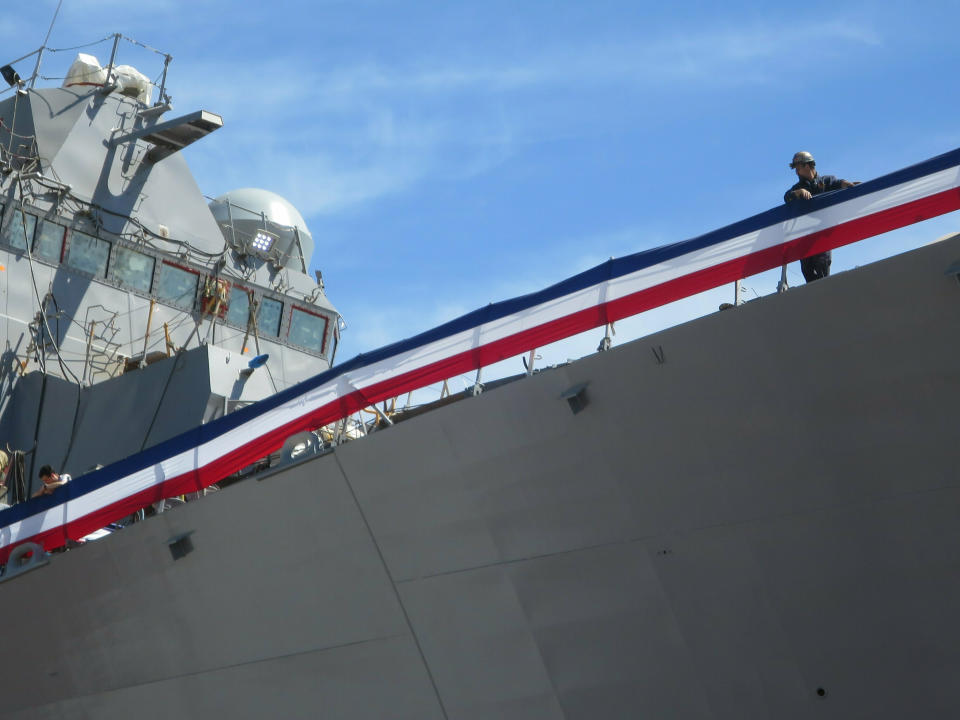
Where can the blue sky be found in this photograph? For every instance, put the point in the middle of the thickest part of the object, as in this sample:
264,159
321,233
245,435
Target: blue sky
450,154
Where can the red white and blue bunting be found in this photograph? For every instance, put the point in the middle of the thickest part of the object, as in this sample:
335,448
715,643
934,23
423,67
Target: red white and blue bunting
614,290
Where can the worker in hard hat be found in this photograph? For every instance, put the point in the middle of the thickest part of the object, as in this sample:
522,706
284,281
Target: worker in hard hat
4,467
811,183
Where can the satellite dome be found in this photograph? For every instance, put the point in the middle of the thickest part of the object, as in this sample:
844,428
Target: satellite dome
260,222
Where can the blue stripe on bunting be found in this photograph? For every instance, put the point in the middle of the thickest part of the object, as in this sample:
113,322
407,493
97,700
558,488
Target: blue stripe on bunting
608,270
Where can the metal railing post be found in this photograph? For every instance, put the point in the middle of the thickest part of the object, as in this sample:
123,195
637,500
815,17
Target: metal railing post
163,80
36,68
113,56
233,232
782,285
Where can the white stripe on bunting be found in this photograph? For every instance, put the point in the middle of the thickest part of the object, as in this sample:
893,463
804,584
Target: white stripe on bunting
400,366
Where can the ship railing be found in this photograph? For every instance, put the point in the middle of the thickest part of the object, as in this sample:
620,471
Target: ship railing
617,289
18,83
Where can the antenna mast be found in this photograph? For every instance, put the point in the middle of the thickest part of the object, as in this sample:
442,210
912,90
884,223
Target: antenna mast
36,68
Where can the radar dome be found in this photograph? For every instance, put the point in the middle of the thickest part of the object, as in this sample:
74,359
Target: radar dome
259,222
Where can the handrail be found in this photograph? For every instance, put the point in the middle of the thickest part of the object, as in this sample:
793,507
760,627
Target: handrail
116,37
611,291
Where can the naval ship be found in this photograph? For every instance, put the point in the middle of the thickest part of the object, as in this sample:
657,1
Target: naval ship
749,515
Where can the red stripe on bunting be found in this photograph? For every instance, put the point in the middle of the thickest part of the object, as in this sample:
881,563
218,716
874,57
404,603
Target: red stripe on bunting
567,326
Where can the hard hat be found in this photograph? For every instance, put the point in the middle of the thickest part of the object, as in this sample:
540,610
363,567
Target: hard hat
802,158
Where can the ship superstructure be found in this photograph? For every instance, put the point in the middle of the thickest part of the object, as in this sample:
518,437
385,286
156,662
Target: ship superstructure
113,260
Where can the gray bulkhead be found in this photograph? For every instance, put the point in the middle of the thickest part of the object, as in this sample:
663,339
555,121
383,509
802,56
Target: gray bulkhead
78,428
753,516
80,142
120,230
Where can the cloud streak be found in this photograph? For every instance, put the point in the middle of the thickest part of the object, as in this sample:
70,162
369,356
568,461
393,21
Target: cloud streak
365,131
401,124
648,61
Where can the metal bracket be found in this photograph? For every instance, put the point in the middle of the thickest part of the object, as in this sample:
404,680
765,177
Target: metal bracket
154,112
180,545
659,355
174,135
954,270
18,562
783,286
477,387
576,397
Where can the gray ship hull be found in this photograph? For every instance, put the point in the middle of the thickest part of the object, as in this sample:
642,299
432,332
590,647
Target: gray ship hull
754,516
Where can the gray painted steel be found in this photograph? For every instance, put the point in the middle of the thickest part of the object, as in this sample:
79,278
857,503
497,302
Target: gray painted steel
768,511
77,161
121,416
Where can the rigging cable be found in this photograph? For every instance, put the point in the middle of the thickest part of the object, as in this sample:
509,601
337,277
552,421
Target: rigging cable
16,491
156,412
13,123
63,367
41,304
50,29
80,47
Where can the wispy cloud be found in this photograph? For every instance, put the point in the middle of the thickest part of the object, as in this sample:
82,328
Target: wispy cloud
369,130
704,53
734,55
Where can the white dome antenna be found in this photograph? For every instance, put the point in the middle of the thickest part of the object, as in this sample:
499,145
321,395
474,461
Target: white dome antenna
263,224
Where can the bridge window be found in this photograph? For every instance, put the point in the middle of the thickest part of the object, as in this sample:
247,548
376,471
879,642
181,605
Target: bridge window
177,285
268,317
88,254
133,268
307,329
239,311
13,233
48,244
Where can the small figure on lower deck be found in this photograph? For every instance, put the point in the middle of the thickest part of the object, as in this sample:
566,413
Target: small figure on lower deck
51,481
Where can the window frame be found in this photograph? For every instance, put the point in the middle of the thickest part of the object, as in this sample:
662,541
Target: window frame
38,232
68,248
246,291
112,277
279,333
4,237
326,327
167,301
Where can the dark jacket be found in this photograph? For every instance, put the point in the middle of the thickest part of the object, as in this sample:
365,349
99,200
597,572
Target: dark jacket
820,184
